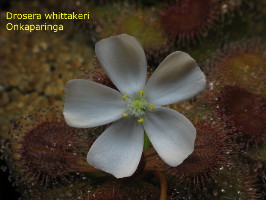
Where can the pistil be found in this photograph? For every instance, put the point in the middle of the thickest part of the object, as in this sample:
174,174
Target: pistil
137,106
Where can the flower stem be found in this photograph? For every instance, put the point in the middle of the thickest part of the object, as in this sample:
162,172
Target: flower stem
163,184
85,167
147,143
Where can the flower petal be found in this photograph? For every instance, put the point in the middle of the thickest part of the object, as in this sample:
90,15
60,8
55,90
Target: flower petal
123,59
89,104
177,78
118,150
171,134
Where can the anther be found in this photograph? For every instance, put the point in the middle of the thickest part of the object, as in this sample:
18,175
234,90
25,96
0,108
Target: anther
124,115
141,92
140,120
152,106
124,97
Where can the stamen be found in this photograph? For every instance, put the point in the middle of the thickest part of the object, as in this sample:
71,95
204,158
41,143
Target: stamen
140,120
141,92
152,106
124,115
124,97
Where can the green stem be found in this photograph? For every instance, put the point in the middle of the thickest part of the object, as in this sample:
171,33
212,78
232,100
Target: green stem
147,143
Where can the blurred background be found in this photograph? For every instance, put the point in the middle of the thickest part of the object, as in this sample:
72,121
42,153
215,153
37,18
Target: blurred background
225,37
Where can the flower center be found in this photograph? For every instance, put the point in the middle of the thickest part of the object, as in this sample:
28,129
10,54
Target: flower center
137,106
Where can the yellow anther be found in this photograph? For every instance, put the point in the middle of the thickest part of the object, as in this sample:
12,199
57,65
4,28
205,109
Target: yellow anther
124,97
152,106
124,115
140,120
141,92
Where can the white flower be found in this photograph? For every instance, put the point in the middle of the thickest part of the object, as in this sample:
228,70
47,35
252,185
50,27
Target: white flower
136,108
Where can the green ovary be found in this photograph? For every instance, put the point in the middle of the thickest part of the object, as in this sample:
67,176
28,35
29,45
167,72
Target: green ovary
138,104
137,107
